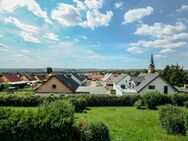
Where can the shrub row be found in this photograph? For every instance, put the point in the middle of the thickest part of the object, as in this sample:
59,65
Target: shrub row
173,120
49,122
150,100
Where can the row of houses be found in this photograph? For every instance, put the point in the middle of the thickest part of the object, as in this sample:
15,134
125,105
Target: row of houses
143,83
20,81
66,83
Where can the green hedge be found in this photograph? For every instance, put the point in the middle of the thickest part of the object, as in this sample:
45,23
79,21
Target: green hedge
173,120
105,100
151,100
95,132
49,122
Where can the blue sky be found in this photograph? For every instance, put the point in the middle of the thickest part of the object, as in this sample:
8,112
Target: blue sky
118,34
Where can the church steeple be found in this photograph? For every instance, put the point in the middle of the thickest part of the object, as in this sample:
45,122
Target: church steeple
151,67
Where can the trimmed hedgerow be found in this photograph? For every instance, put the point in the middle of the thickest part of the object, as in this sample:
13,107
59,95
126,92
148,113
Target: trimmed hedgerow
79,103
95,132
172,120
152,100
139,104
179,99
51,121
105,100
186,104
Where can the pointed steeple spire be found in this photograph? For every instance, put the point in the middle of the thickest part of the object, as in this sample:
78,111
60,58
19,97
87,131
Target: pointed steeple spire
151,61
151,67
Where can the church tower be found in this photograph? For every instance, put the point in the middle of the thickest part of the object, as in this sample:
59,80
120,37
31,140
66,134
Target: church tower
151,67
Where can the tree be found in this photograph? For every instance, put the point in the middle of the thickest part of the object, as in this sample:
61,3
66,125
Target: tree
49,70
174,74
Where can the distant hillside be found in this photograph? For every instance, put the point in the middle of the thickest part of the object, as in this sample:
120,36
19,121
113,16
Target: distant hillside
59,70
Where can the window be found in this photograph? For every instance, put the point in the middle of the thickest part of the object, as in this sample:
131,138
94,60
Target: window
54,86
166,89
123,86
151,87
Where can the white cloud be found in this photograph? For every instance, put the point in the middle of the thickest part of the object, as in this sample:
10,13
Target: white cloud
178,36
66,14
160,56
183,8
159,29
159,43
84,37
67,37
95,19
21,25
25,51
29,37
79,4
63,45
69,15
10,6
3,47
167,50
76,40
137,14
118,5
52,36
135,50
94,4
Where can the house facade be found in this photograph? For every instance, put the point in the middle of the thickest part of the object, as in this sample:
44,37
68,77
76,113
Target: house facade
107,80
58,84
143,83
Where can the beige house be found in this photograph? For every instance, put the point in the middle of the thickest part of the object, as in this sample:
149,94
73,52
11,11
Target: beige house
58,84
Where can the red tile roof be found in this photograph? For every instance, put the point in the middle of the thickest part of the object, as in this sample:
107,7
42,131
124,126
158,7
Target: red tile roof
1,80
13,78
40,77
30,77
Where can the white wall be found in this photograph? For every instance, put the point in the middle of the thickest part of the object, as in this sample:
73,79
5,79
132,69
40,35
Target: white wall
159,84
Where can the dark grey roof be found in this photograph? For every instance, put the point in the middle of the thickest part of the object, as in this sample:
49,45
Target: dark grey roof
68,81
137,80
78,77
119,78
146,79
83,77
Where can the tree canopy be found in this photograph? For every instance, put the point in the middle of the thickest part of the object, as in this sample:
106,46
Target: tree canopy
49,70
175,74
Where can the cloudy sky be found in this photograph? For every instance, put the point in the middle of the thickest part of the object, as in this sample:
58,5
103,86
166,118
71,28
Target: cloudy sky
93,33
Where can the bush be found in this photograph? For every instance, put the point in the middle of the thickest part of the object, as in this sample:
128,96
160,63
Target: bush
151,100
179,99
139,104
186,104
79,103
172,120
105,100
95,132
51,121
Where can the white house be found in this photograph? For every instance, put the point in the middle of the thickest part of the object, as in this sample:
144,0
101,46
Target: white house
143,83
122,84
107,80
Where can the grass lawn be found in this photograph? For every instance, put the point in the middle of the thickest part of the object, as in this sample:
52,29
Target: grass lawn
129,124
